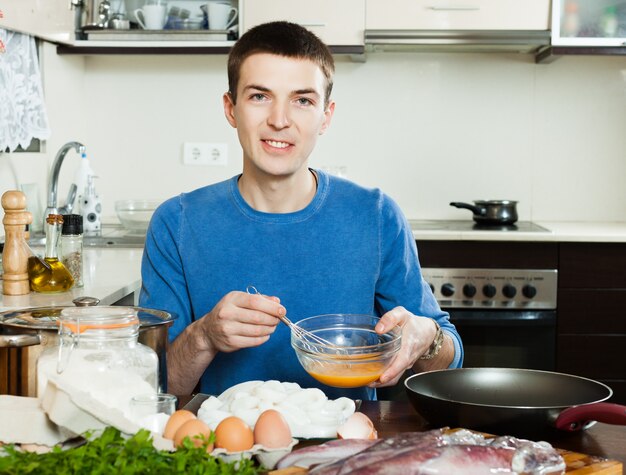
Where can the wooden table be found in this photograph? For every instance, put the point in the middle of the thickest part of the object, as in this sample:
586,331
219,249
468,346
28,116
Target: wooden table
391,417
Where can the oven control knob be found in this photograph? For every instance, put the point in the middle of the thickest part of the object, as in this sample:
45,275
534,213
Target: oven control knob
447,290
432,288
489,290
529,291
509,291
469,290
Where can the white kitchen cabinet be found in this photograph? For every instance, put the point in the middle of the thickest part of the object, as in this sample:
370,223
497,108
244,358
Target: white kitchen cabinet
457,15
589,23
336,22
52,20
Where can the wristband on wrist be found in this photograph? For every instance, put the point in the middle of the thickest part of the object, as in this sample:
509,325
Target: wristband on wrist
435,346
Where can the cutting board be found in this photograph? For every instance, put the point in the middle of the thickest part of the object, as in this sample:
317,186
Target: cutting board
576,464
580,464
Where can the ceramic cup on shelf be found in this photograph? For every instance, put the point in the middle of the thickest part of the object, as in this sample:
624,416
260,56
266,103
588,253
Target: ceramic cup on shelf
221,15
151,17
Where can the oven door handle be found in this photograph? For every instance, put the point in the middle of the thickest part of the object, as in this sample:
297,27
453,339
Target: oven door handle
503,318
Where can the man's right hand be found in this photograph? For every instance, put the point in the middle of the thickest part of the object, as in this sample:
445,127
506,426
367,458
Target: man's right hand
239,320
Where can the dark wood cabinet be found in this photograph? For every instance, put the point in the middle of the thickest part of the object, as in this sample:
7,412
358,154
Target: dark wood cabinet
488,254
591,328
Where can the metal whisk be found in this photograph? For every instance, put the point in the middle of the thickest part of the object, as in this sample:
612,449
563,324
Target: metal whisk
300,332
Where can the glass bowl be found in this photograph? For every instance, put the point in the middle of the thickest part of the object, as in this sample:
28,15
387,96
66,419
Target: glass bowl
359,355
135,214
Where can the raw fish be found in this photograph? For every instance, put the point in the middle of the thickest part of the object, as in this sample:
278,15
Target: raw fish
433,452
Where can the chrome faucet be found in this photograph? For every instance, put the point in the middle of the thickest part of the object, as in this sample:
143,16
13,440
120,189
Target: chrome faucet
53,183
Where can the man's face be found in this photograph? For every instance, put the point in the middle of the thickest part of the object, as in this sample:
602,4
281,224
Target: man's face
280,112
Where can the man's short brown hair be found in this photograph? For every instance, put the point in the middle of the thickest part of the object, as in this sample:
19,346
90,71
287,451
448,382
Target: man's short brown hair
280,38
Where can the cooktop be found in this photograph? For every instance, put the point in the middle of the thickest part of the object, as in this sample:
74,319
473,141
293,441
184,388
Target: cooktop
469,225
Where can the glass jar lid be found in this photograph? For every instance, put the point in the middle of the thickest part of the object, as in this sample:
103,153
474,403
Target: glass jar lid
82,319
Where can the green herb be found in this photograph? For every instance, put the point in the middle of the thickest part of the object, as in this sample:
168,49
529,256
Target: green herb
113,454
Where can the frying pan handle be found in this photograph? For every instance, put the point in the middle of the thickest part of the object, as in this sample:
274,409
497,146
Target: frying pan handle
576,418
477,210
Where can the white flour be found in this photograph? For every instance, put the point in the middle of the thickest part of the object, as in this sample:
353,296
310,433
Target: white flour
91,371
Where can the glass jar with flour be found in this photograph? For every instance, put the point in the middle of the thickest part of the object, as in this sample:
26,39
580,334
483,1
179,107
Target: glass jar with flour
98,354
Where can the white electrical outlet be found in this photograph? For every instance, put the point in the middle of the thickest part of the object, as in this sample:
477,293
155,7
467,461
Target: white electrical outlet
196,153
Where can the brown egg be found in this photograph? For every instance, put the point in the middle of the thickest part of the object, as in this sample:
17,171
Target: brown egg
271,430
234,435
193,428
175,421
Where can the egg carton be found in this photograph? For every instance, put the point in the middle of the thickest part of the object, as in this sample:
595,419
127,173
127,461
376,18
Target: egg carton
267,457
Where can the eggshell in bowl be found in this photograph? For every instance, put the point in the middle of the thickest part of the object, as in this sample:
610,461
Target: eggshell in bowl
358,426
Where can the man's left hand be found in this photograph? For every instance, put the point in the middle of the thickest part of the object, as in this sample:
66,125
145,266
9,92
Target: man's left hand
418,334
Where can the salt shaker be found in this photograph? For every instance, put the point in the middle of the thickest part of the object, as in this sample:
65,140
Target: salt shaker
72,246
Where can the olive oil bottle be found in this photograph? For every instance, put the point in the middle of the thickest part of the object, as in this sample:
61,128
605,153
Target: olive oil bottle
49,275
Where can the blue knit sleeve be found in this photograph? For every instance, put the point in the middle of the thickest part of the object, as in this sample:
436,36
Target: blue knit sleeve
401,281
163,278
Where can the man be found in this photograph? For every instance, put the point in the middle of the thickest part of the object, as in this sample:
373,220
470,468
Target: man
311,243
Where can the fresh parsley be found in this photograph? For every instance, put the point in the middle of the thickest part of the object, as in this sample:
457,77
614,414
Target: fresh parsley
113,454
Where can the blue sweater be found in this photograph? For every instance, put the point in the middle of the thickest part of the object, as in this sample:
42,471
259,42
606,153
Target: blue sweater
349,251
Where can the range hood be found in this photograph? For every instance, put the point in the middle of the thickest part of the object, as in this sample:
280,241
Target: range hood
485,41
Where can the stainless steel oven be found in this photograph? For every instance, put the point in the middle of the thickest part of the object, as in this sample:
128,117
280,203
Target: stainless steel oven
506,317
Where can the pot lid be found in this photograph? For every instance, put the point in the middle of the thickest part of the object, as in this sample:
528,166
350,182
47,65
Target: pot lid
45,318
495,202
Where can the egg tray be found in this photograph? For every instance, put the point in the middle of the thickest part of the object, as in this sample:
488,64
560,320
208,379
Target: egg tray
265,456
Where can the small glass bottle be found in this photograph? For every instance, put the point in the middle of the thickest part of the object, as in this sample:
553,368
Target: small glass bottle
49,275
72,246
99,354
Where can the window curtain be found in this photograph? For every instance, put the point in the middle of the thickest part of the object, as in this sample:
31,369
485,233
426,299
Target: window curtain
22,109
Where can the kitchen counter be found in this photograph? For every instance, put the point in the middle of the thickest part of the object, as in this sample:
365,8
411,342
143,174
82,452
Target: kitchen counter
108,274
554,231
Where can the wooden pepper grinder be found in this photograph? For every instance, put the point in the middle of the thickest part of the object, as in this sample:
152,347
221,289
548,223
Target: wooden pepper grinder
14,256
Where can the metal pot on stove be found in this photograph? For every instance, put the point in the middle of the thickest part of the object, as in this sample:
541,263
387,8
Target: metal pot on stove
491,212
26,333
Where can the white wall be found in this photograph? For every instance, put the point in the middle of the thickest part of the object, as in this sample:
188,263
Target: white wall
426,128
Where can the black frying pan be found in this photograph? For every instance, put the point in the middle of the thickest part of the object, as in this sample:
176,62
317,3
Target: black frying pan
518,402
